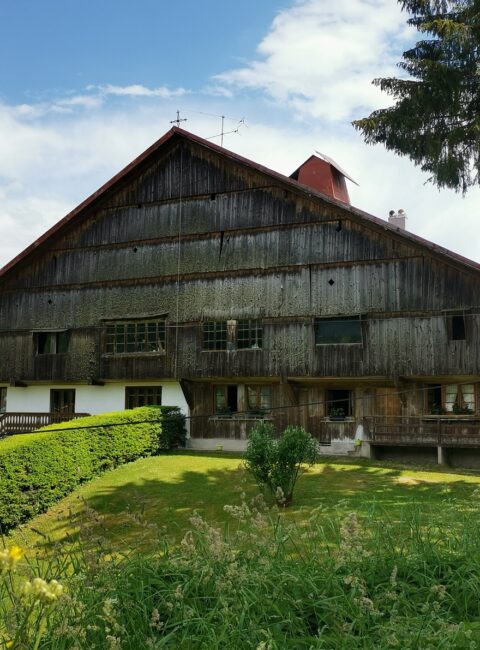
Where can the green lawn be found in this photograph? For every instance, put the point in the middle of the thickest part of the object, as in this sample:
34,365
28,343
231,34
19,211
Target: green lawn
369,556
125,507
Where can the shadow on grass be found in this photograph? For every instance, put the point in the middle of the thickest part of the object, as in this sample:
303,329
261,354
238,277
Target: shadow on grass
157,505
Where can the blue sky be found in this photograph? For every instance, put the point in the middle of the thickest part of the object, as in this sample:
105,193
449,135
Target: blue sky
85,87
54,45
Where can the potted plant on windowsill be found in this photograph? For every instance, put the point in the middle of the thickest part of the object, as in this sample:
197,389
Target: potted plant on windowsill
337,414
436,409
461,410
224,412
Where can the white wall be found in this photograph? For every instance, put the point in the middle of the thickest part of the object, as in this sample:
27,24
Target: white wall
89,399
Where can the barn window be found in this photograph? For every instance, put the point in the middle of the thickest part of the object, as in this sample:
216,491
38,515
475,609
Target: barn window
62,400
457,399
215,335
244,334
339,402
225,399
259,399
456,327
52,342
340,330
3,399
136,396
128,337
249,334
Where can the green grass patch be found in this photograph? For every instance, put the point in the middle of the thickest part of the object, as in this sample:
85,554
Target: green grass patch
369,556
125,508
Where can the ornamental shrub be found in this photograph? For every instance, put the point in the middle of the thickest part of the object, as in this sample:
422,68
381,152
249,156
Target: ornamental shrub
172,433
38,469
275,461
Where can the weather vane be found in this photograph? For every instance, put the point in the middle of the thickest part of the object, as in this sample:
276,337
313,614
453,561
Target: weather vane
178,120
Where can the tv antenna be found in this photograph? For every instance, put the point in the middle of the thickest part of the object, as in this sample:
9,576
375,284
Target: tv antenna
223,132
179,119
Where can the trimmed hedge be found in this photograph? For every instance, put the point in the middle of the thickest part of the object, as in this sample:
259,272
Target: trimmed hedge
46,465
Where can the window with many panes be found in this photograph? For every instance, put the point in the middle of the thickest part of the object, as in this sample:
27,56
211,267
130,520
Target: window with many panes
51,342
249,334
339,330
62,400
215,335
244,334
3,399
143,396
457,399
259,398
135,337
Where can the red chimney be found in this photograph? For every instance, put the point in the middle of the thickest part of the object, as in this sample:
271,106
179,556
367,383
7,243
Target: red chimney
322,174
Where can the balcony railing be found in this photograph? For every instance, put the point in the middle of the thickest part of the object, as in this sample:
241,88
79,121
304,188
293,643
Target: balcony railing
12,423
426,431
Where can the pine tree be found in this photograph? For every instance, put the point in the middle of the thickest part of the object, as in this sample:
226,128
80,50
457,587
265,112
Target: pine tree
436,117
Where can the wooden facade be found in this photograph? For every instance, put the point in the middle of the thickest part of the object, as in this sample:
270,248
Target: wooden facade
190,234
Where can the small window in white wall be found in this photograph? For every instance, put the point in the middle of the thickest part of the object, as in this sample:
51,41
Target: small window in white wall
3,399
62,400
143,396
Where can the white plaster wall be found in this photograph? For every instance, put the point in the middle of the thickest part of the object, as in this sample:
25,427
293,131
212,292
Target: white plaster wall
89,399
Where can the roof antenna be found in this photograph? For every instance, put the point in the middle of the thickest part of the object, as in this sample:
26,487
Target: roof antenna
179,119
223,133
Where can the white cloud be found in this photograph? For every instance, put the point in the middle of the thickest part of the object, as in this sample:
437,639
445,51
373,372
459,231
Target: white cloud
320,57
137,90
93,98
314,59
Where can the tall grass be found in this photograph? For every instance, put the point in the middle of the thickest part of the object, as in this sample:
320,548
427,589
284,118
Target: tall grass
264,583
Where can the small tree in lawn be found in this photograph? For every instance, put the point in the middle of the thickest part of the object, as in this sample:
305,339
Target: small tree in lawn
275,462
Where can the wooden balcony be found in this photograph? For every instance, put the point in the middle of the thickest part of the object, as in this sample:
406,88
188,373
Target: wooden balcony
238,426
424,431
13,423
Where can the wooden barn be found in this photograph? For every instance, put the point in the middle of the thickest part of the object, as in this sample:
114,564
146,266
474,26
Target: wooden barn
198,278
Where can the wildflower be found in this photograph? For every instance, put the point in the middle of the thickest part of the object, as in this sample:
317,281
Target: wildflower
393,576
42,590
439,590
113,642
367,603
178,595
9,558
155,621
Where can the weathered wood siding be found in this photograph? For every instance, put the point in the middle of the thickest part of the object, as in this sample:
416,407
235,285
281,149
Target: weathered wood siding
197,235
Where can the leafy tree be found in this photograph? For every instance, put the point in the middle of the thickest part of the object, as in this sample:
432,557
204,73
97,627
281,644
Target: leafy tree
435,120
275,462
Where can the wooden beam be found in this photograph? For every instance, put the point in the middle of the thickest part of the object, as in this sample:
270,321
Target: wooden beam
17,383
290,390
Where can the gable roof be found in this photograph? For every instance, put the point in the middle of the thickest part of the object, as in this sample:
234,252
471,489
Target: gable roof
295,186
